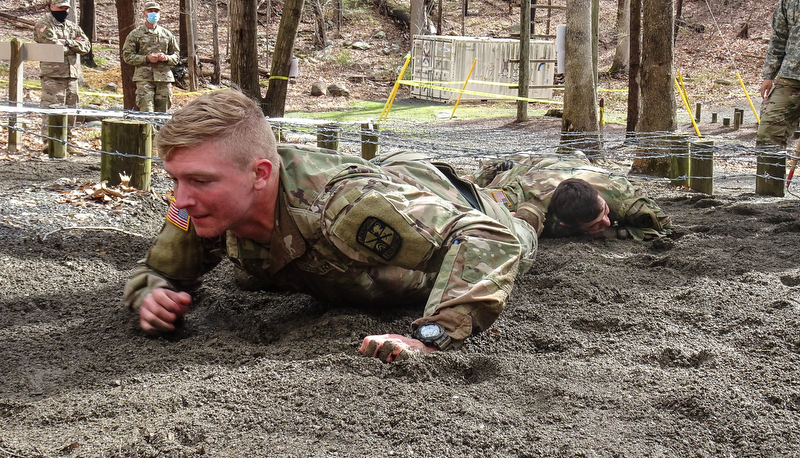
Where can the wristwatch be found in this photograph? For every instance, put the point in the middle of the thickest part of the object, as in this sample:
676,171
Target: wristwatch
432,334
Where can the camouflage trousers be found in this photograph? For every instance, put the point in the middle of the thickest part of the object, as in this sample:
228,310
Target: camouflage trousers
154,96
61,92
779,113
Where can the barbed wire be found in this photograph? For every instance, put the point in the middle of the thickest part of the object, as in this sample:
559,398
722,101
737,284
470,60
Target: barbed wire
464,145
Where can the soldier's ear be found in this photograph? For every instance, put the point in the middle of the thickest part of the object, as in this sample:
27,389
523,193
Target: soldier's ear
263,172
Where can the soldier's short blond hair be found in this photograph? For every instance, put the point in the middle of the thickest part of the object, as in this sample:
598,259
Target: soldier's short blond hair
228,118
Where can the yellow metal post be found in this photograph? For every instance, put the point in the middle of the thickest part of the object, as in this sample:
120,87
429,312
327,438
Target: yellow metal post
758,121
464,87
688,110
388,105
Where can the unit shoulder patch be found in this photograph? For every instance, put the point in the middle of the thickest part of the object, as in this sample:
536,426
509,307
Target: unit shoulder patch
379,237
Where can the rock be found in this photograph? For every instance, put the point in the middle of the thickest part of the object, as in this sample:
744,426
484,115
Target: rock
380,35
337,90
318,89
111,87
361,45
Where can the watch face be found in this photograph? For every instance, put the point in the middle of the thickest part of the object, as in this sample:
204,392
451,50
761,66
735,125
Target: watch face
430,331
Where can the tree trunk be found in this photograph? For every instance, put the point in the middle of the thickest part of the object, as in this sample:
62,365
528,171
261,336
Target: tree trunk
87,23
524,60
191,49
275,101
658,90
580,92
320,40
217,62
635,68
678,10
622,53
183,34
244,47
127,21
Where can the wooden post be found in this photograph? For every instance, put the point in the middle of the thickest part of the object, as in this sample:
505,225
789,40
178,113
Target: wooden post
738,115
702,166
369,140
129,137
17,52
771,173
328,136
713,117
679,160
57,130
14,92
697,109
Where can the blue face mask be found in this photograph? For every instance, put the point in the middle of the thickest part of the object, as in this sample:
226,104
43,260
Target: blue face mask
152,18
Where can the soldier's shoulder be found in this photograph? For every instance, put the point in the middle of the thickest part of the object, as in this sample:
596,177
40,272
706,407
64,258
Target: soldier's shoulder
42,24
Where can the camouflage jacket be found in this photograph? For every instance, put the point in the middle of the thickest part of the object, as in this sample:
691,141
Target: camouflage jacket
49,30
350,231
783,54
533,178
143,41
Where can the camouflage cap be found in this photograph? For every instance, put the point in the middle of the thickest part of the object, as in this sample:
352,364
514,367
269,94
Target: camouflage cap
152,6
60,3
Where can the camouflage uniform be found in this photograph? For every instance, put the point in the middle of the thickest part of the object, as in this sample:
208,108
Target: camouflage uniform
153,81
533,178
781,110
60,79
351,231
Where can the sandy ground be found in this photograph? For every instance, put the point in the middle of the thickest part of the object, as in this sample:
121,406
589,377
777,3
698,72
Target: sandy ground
684,346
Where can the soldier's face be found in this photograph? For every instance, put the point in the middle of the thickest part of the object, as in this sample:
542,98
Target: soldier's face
599,224
213,190
59,8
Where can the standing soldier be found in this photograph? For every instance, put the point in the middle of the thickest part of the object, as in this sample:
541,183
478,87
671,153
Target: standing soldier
153,50
60,79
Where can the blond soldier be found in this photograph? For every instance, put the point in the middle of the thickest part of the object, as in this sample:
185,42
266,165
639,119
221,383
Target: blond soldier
60,79
337,227
153,50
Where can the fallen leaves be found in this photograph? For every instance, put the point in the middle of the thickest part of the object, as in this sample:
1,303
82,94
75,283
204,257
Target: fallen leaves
83,193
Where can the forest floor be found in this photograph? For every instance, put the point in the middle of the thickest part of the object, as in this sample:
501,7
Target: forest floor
682,346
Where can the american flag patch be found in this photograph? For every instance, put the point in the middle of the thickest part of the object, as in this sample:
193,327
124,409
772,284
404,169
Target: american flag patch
178,217
500,196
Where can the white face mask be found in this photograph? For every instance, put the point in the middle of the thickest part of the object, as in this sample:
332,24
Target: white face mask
152,18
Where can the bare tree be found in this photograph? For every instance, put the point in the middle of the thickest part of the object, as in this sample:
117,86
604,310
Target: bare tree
126,19
580,122
635,68
320,40
658,90
244,49
622,52
275,100
87,23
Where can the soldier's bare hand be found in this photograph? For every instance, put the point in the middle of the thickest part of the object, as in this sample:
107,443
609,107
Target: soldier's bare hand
766,87
392,347
161,309
153,58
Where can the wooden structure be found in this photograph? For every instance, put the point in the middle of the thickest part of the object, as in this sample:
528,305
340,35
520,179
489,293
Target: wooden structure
129,145
16,52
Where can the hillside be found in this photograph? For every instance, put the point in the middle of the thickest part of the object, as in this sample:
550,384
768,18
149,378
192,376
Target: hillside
708,54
